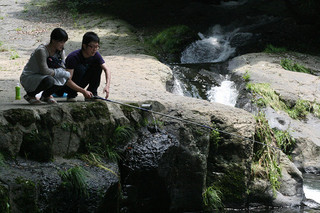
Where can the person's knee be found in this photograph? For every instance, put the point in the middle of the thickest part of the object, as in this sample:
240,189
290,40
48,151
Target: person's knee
48,81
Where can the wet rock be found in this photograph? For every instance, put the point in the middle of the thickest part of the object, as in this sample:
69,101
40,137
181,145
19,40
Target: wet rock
38,187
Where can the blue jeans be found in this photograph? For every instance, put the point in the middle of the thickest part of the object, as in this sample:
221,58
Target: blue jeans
84,75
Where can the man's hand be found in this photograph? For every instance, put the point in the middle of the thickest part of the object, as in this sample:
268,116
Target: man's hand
87,94
106,90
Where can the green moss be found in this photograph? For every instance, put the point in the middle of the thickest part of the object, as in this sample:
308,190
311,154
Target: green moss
99,109
4,200
232,185
69,127
97,131
174,39
23,116
81,112
215,139
27,198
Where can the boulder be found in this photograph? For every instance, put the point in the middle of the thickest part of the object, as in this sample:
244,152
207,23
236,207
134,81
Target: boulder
291,87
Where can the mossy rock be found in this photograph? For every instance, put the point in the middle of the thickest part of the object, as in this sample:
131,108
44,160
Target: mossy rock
174,40
96,135
99,109
25,195
133,114
232,185
23,116
82,112
37,145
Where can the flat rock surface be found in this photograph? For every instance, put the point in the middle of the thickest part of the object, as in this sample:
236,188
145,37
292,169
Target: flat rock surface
136,77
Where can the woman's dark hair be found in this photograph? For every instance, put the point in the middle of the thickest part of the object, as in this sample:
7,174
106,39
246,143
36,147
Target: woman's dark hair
59,34
89,37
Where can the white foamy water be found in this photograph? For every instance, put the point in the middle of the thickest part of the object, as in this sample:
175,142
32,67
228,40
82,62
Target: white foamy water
180,89
226,93
212,48
311,193
177,88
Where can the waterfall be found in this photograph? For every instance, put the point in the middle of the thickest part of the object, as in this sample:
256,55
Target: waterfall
178,87
181,89
226,93
212,48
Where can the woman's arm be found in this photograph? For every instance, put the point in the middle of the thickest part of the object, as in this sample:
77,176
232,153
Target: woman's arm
41,57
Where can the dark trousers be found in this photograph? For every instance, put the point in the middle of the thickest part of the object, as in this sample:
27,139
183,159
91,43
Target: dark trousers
83,76
47,86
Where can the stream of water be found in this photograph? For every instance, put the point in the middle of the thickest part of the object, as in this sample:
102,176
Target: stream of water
214,47
226,93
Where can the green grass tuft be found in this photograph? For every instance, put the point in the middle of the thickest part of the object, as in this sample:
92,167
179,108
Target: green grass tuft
246,76
288,64
212,198
267,96
74,181
266,155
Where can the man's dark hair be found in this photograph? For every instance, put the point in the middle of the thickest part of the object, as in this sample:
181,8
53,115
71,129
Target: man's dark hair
89,37
59,34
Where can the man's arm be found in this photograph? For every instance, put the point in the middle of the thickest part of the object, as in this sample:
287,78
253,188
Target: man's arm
75,87
108,77
71,72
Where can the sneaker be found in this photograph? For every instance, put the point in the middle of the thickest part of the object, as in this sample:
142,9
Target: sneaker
71,100
59,95
49,100
31,100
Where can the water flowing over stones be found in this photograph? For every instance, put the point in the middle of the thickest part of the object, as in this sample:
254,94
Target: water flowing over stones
173,166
